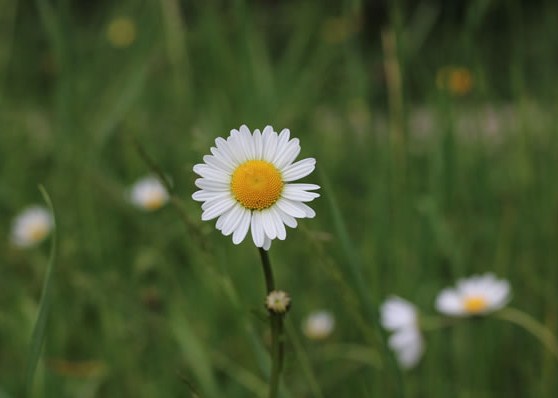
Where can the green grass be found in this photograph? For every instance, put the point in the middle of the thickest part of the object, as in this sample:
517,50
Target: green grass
144,305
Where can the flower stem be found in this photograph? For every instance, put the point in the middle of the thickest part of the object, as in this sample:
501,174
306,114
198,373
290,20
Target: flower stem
527,322
276,325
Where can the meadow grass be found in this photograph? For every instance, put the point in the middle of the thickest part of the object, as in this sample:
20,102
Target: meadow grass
421,185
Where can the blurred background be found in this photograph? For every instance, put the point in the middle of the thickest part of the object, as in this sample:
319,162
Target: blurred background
434,128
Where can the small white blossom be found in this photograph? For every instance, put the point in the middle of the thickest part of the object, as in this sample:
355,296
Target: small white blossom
318,325
477,295
31,226
149,194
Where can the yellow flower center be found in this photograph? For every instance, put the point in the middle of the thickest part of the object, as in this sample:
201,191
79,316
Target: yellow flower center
154,202
256,184
37,232
475,304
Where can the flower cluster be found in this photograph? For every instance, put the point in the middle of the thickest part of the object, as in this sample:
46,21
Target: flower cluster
474,296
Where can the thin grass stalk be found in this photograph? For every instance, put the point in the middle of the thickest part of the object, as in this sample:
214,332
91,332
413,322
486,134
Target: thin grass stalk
530,324
38,336
276,325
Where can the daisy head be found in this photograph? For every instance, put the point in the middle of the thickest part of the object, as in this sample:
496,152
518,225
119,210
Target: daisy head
318,325
247,184
477,295
31,226
400,317
149,194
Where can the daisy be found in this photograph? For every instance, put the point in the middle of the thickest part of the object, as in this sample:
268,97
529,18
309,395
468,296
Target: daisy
149,194
476,295
31,226
247,184
318,325
400,317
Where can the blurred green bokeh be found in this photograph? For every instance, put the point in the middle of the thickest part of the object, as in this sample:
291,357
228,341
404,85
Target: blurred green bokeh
434,129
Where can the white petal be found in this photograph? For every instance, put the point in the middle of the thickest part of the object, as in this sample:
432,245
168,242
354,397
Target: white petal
299,169
408,346
291,208
243,226
212,173
218,198
248,141
213,186
202,196
270,139
218,163
236,145
225,159
282,141
294,193
308,211
449,302
232,219
258,144
288,220
267,243
289,154
268,224
279,226
221,220
397,313
224,146
217,209
304,187
499,294
256,227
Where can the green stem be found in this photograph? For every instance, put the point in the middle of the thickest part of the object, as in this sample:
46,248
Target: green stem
527,322
276,325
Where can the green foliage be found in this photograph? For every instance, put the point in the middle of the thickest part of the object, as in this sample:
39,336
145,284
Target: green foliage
146,305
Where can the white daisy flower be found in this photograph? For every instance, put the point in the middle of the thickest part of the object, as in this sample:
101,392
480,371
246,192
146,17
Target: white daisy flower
318,325
247,183
400,317
31,226
477,295
149,194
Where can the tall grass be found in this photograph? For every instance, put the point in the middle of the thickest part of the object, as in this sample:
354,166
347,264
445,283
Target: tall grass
145,307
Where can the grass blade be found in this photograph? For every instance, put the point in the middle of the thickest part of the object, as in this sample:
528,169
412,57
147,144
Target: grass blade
38,335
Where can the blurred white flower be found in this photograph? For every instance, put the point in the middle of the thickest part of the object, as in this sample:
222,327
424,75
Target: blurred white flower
318,325
149,194
477,295
400,317
247,183
31,226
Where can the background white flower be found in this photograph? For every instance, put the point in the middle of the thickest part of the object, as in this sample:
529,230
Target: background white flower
400,317
31,226
408,346
479,294
149,194
318,325
247,185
